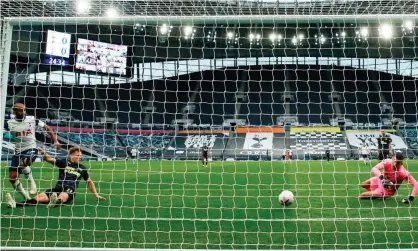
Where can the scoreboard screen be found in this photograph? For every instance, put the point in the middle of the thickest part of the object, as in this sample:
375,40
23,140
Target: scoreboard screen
57,48
101,57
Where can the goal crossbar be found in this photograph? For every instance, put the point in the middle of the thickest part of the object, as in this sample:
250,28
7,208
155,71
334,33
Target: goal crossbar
231,19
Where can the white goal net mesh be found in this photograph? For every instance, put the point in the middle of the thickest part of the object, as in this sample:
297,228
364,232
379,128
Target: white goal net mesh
194,116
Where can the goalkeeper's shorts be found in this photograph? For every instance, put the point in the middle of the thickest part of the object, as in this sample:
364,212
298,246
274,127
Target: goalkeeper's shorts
376,186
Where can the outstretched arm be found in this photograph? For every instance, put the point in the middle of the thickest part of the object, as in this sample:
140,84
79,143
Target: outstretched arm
53,136
47,158
376,170
93,190
411,180
414,183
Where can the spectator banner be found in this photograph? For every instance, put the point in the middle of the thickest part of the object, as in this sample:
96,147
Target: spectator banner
359,138
305,141
255,141
314,129
256,145
260,129
187,144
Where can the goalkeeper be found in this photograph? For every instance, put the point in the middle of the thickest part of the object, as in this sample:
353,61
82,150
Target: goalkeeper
385,185
70,173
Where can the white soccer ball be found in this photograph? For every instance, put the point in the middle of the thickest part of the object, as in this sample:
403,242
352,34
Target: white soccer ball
286,198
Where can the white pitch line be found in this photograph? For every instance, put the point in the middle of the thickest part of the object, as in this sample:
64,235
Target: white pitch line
212,220
157,249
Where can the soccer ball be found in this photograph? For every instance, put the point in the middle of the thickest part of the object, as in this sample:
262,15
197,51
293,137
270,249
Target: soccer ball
286,198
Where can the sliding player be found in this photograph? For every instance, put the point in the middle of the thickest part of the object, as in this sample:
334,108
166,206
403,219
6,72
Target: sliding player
22,128
205,155
385,185
70,173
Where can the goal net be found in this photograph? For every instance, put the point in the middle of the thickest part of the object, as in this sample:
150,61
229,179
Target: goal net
194,116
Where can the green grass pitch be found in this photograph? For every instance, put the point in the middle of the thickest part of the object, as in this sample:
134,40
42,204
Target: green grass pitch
179,204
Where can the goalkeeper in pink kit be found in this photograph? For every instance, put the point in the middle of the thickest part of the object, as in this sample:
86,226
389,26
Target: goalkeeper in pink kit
386,184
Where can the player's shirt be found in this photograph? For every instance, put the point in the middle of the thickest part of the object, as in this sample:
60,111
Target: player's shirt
365,151
327,152
205,150
134,152
384,142
23,132
284,153
396,176
70,174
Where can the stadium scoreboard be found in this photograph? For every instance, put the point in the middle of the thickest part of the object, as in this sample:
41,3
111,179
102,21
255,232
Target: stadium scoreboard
57,48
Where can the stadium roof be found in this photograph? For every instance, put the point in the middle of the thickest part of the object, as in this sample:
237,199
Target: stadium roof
67,8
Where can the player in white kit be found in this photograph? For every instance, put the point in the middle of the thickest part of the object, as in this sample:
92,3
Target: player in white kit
365,152
22,128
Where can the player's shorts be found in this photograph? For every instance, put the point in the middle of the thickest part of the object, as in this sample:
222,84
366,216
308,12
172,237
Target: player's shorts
58,190
376,186
205,156
383,154
365,156
26,157
283,157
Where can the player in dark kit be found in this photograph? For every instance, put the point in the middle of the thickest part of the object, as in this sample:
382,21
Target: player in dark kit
70,173
205,155
327,155
384,143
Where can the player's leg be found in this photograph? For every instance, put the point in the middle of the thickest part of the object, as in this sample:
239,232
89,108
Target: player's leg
386,154
370,195
14,172
374,189
26,160
60,199
366,184
380,156
41,198
203,161
57,196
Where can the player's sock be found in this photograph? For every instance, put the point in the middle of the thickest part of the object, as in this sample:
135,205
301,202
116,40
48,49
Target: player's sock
19,187
27,203
27,171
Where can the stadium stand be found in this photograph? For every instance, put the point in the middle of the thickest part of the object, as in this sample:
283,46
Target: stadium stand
217,95
410,136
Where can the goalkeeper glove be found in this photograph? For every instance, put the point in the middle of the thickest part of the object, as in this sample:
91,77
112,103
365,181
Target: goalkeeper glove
386,183
408,200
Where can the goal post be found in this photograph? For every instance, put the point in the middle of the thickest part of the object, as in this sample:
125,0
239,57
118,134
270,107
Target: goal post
5,51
